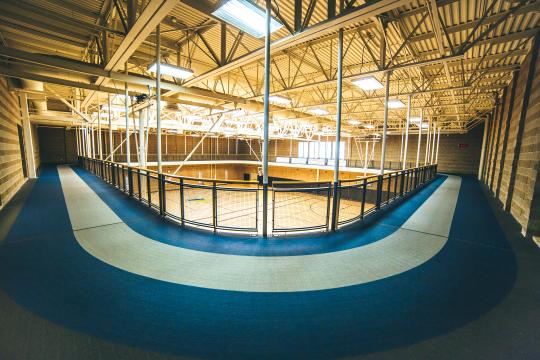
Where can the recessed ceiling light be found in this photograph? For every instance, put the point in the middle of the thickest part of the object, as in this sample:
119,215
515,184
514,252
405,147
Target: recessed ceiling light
174,71
368,83
395,104
246,16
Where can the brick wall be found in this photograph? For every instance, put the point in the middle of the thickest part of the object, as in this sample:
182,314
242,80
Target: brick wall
513,148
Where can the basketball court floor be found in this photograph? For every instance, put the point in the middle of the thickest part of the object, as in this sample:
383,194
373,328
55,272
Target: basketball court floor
240,205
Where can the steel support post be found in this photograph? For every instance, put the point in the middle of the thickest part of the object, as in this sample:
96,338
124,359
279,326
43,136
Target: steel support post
385,126
266,117
158,97
405,145
335,197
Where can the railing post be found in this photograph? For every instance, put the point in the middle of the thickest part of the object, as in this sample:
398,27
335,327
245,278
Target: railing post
388,188
113,175
328,209
130,181
395,185
265,211
214,206
182,202
379,191
335,205
364,190
161,185
402,182
148,189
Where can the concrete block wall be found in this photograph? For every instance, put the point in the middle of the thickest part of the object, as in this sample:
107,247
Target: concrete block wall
11,170
513,148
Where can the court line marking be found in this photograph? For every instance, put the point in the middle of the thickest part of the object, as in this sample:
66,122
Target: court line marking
120,246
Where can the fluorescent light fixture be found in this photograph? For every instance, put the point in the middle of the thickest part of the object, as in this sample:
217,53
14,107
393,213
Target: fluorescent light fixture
425,125
279,99
368,83
319,112
354,122
415,119
174,71
369,126
395,104
246,16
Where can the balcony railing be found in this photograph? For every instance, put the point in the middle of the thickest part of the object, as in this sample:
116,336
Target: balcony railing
235,206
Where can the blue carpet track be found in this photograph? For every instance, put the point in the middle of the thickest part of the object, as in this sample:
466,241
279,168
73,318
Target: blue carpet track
43,268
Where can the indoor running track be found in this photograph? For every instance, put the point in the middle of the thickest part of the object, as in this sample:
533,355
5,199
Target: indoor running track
87,257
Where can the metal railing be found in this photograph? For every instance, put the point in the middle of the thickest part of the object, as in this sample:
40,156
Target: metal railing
234,206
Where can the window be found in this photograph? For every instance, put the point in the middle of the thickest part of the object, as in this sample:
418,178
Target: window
320,149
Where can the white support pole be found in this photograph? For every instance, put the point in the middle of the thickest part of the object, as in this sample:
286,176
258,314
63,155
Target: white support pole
428,143
401,149
27,134
419,138
405,145
92,148
437,151
434,132
158,96
126,109
335,207
77,139
100,145
366,156
385,126
110,129
483,151
142,157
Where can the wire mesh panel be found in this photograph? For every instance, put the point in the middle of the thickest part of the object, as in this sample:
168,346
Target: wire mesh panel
143,174
172,197
351,196
237,208
198,203
135,183
153,194
296,207
370,202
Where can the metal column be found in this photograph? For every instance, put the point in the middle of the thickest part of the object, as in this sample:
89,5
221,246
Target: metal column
126,97
385,126
142,153
405,145
266,117
419,137
434,132
335,199
27,134
437,149
111,148
158,97
100,146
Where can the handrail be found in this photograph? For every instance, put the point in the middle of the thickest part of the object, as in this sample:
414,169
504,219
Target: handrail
212,204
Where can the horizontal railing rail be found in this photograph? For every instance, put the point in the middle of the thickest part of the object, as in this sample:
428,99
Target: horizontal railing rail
234,205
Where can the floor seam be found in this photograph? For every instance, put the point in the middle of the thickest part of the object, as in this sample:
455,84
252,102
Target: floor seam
98,226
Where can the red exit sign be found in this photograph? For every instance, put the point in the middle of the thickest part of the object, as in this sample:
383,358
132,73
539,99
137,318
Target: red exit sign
463,146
